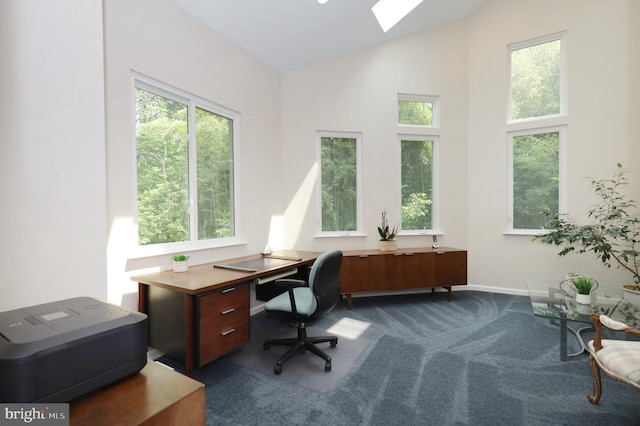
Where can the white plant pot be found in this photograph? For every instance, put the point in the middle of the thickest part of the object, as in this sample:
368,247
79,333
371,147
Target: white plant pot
180,266
584,299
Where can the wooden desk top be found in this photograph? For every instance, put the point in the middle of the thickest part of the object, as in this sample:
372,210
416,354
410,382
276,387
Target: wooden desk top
156,395
203,278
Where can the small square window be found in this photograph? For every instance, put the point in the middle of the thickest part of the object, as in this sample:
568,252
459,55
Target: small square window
417,110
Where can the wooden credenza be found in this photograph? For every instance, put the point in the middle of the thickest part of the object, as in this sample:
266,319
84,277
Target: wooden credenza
403,269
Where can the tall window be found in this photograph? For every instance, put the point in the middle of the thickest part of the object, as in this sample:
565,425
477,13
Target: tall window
418,114
339,182
536,177
185,168
417,165
537,131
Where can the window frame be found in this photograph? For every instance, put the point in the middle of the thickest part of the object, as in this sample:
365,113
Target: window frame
562,174
563,90
358,232
435,171
140,81
536,125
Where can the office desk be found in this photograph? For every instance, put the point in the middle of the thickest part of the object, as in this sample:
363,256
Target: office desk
154,396
199,315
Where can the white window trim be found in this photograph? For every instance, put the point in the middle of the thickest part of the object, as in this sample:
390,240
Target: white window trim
137,251
562,175
434,100
435,197
331,134
562,37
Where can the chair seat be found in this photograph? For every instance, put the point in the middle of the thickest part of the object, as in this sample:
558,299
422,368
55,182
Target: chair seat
619,358
305,302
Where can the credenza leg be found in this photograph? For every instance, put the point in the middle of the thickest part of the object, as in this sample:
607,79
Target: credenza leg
349,302
449,294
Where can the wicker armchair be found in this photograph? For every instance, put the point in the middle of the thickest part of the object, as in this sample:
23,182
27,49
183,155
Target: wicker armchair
619,359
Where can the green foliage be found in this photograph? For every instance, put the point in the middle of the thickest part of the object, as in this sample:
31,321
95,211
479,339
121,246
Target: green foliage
180,257
339,184
535,179
535,81
417,183
386,233
613,233
415,113
582,284
162,148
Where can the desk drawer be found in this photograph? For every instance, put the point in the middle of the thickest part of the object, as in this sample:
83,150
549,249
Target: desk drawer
223,322
221,333
231,297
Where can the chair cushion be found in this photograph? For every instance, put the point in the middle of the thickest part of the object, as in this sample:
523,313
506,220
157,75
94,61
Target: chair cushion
305,302
620,358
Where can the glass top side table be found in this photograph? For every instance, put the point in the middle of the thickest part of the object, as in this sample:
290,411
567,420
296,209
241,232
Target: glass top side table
549,301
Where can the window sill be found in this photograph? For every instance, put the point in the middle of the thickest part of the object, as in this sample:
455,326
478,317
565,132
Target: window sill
186,248
527,232
340,235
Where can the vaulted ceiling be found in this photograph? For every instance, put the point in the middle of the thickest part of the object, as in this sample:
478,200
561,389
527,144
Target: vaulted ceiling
289,34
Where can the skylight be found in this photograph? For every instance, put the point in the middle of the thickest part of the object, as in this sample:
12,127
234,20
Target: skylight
390,12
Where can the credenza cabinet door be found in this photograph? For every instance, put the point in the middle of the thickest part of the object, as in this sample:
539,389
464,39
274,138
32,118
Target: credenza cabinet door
451,268
354,274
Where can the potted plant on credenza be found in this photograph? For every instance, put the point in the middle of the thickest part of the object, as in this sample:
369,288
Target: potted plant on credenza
387,235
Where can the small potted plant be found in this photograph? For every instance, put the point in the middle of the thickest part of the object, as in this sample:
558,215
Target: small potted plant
387,235
180,263
580,286
583,285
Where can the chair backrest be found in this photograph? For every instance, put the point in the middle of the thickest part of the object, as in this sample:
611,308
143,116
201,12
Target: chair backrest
324,281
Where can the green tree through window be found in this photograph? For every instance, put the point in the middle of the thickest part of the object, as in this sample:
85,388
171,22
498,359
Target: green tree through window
535,179
417,184
537,153
339,179
166,181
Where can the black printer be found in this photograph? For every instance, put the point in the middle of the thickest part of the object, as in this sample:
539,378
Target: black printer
64,350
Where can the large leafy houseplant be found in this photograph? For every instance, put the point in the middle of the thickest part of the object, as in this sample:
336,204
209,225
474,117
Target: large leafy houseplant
614,231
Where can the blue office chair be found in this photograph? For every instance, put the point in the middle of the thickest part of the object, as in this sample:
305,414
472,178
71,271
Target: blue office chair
304,304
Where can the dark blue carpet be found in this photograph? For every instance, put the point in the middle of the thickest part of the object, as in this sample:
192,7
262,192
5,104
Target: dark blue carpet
482,359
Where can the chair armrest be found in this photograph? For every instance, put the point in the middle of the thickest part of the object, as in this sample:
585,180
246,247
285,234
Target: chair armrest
599,320
290,282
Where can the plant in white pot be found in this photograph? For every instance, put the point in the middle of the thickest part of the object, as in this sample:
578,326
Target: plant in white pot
180,263
613,234
387,234
583,287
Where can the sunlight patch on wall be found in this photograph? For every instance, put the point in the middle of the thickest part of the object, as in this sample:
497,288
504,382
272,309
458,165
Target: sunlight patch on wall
300,208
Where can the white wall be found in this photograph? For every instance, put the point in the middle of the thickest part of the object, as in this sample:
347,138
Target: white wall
52,163
160,40
602,129
66,228
358,92
465,62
